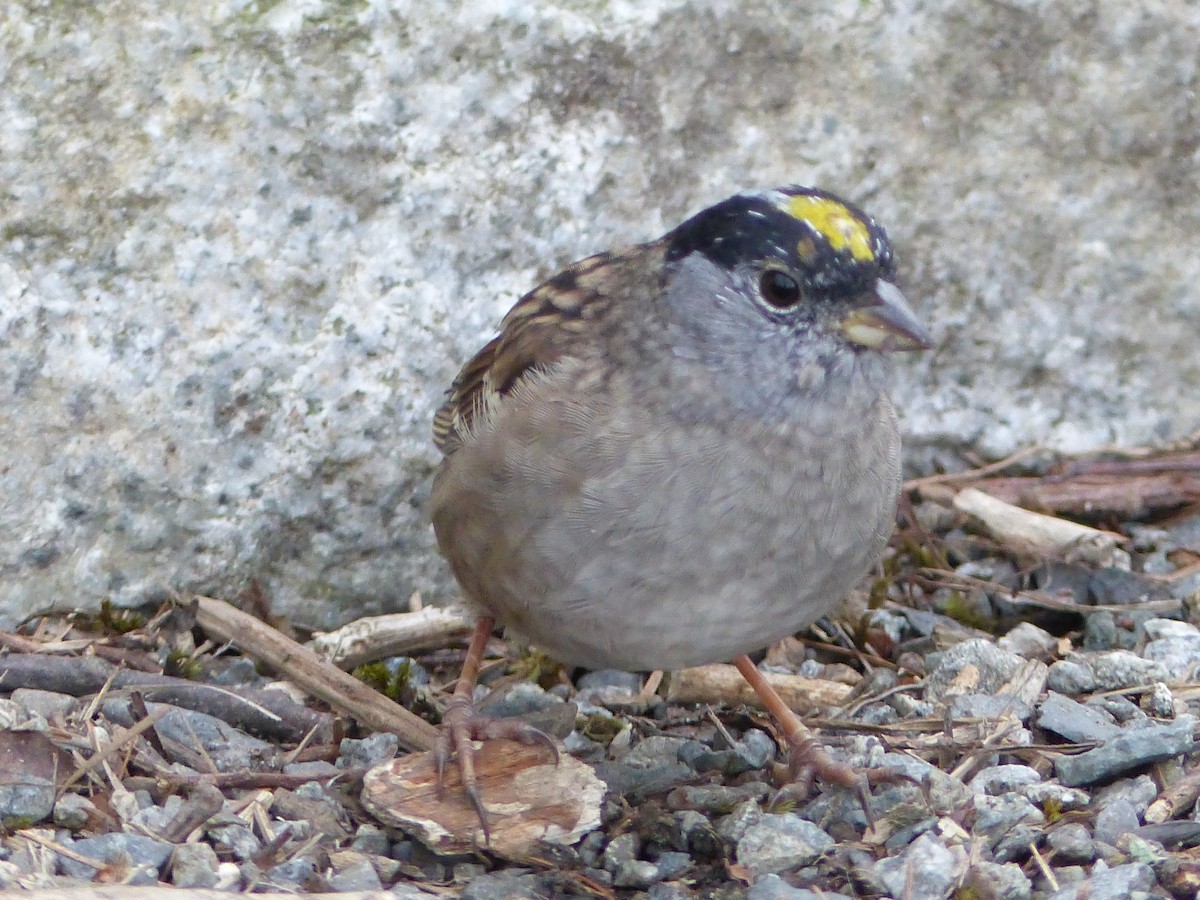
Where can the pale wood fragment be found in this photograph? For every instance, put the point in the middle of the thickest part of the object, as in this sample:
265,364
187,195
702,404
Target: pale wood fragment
528,797
378,637
1039,536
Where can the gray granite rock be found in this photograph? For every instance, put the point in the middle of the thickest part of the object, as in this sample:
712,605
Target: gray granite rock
246,247
194,866
1072,844
993,667
778,842
772,887
1118,883
993,881
1137,745
927,869
1075,721
149,854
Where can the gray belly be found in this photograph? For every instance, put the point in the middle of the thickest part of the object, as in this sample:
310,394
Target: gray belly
623,546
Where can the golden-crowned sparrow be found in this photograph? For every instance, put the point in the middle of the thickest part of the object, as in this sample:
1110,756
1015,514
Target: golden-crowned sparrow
680,452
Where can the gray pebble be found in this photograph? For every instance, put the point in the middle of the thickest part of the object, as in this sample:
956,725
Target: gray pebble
521,699
237,839
1137,745
73,811
1030,642
671,864
1071,678
229,748
1138,792
1065,798
993,881
1100,631
1015,845
141,851
1114,820
1072,844
997,780
995,817
772,887
622,849
1119,669
1120,708
194,866
369,751
47,704
778,842
25,800
1074,720
716,799
927,869
666,891
1117,883
637,873
358,876
995,667
506,886
370,839
297,874
732,827
660,749
1159,702
989,706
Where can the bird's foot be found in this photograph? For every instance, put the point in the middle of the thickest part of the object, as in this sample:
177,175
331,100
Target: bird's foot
462,725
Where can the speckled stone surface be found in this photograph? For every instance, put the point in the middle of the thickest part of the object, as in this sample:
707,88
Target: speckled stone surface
246,246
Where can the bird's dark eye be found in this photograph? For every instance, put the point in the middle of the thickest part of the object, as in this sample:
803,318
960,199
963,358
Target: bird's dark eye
780,289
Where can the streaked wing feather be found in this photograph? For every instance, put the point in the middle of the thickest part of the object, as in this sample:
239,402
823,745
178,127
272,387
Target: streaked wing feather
542,328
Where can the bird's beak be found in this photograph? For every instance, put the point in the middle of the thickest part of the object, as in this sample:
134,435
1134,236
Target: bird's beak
886,322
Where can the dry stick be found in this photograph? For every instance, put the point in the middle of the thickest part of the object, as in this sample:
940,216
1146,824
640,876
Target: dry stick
378,637
120,739
312,673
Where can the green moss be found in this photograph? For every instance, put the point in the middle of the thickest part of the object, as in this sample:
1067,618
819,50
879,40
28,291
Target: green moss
183,665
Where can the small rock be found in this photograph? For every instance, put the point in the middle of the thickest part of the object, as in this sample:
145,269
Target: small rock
370,751
624,848
991,668
520,699
1030,642
141,851
1138,792
310,804
506,886
989,706
229,748
298,874
716,799
1137,745
927,869
671,864
49,705
194,866
1065,799
1117,883
778,842
1160,702
73,811
995,817
993,881
1072,844
1075,721
1116,819
636,873
358,876
1015,845
772,887
236,839
997,780
370,839
1100,631
1120,669
752,752
1071,678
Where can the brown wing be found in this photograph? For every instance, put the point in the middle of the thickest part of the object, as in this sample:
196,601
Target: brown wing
543,327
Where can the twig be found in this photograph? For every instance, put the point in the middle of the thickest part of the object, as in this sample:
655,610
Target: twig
378,637
312,673
122,737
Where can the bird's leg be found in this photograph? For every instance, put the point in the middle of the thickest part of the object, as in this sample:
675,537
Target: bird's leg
808,758
462,724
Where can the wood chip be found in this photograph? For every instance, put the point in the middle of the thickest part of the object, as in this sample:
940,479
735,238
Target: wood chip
529,800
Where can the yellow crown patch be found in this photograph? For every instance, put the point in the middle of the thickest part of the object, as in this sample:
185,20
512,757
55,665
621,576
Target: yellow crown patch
841,228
